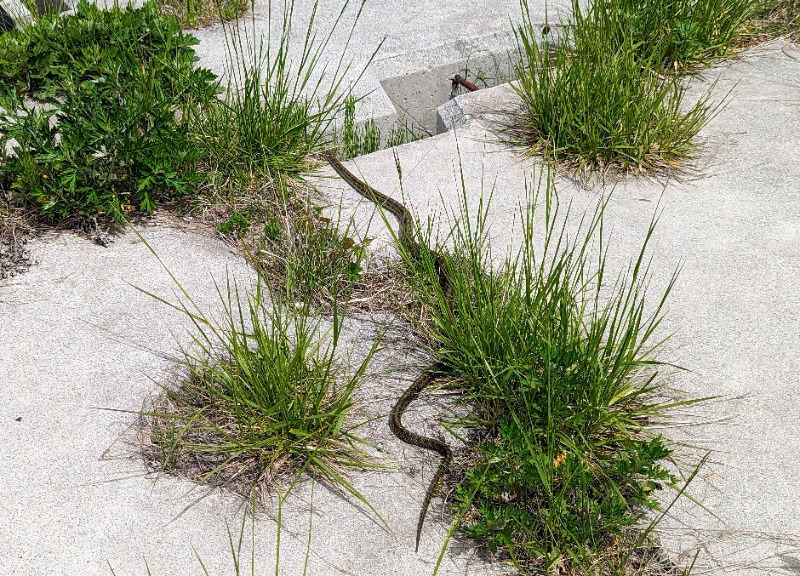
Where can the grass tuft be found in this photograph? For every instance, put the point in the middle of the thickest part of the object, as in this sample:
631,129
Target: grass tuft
265,396
596,97
559,363
261,137
675,35
356,140
280,104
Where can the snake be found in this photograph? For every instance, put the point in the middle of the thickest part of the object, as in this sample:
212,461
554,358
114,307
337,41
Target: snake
431,374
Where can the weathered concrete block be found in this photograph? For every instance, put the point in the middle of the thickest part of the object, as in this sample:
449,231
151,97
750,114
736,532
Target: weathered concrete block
448,116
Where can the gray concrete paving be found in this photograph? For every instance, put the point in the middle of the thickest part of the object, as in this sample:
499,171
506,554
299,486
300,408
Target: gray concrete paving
75,498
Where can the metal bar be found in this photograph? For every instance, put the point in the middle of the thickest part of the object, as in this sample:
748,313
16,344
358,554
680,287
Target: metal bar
465,83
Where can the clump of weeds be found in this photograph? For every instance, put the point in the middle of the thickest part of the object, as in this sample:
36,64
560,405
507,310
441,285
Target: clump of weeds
264,396
558,362
627,114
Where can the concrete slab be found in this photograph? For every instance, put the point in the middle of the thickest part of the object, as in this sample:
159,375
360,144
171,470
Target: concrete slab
18,12
422,48
77,339
733,227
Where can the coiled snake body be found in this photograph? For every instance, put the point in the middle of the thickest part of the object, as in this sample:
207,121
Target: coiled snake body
430,375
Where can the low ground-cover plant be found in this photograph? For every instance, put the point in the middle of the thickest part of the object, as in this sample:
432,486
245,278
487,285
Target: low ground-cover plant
38,60
116,147
264,396
119,86
558,361
597,104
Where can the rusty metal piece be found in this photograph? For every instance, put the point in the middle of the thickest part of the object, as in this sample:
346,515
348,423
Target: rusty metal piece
465,83
459,81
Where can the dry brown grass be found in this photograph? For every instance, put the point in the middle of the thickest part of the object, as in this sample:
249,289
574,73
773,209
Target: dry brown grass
776,18
288,236
15,231
201,13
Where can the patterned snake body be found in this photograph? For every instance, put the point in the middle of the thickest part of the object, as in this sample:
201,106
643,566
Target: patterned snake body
430,375
396,425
